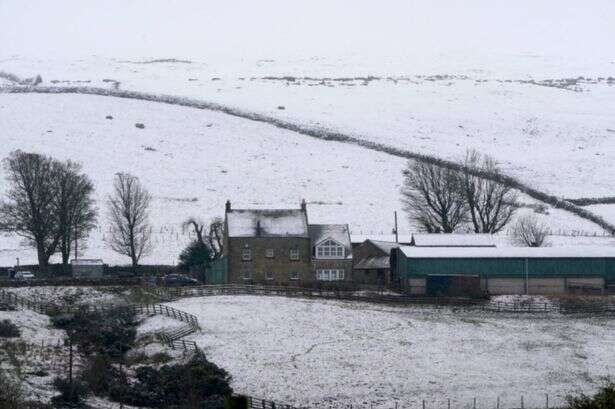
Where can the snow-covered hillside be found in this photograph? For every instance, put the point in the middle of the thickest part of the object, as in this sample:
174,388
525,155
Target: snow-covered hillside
193,160
339,353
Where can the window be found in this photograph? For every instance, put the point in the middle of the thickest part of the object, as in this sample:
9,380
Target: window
294,275
246,254
294,254
330,274
269,275
330,249
269,253
247,275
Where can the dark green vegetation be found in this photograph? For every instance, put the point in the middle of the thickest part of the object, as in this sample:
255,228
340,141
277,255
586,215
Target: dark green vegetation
104,339
8,329
196,254
603,399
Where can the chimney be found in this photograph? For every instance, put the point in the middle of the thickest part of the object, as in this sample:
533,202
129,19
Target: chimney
258,228
228,206
303,205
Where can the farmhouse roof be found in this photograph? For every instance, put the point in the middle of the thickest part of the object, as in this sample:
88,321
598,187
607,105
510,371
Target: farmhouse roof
267,223
337,232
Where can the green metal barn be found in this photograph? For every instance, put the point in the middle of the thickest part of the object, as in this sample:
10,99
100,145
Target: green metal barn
508,270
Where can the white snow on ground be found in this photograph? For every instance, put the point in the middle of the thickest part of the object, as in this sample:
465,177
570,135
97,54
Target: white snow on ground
556,139
193,160
66,295
329,353
35,328
157,323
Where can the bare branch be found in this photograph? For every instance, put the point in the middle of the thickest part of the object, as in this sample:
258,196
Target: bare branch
128,214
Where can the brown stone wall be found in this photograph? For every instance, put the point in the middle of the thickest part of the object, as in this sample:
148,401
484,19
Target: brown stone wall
280,264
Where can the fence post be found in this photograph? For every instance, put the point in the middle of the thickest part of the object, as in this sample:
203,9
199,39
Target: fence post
547,397
522,407
498,403
474,403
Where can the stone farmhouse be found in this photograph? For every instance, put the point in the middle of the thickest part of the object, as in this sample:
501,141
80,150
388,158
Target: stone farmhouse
279,246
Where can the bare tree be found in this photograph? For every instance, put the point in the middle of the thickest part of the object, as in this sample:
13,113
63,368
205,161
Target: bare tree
129,217
530,232
433,198
30,210
215,237
491,204
75,207
197,226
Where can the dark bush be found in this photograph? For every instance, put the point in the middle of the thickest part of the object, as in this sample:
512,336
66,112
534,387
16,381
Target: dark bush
71,394
11,393
8,329
99,374
603,399
176,386
111,332
236,402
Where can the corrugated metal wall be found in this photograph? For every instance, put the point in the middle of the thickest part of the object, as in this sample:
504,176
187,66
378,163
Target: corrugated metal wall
509,267
217,272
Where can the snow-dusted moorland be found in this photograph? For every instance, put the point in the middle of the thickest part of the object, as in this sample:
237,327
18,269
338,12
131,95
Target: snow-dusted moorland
328,353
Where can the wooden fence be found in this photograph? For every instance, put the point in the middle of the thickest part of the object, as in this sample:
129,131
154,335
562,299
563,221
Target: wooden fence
601,307
169,338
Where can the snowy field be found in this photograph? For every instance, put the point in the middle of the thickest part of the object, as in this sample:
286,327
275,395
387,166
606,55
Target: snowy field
533,89
329,353
193,160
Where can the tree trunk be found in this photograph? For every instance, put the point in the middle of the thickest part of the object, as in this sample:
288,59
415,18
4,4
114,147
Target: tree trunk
43,260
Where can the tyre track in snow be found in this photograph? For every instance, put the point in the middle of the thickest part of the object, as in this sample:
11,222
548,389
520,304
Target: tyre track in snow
322,134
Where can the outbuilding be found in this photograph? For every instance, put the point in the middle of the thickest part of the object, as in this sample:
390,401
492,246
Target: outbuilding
87,268
508,270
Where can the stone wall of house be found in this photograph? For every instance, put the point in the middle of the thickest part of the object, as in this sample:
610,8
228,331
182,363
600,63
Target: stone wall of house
345,264
280,266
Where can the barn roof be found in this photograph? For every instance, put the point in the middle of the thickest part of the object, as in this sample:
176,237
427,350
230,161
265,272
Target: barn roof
508,252
337,232
432,239
385,246
267,223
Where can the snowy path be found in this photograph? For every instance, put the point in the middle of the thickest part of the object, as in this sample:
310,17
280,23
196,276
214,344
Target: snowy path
319,133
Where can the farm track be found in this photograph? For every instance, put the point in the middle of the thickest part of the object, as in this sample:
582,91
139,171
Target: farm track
321,134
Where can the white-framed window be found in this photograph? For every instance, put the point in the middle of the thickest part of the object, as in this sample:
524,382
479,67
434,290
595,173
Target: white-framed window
294,275
330,274
269,275
330,249
247,274
294,254
269,253
246,254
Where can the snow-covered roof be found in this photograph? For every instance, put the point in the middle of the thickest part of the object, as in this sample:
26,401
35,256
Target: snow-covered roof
267,223
86,262
508,252
433,239
337,232
385,246
454,240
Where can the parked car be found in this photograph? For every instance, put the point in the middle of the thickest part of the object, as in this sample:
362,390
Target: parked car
24,276
178,280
